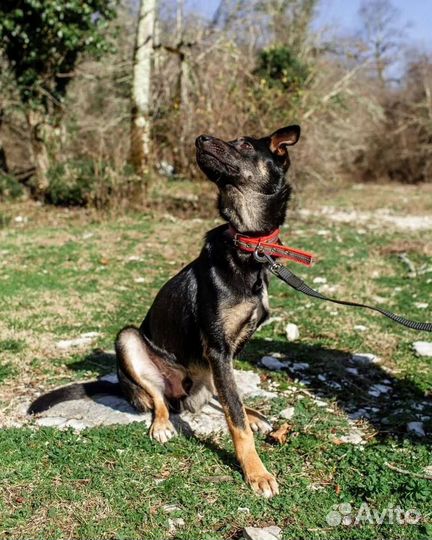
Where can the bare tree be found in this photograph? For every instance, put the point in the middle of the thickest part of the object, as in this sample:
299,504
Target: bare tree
142,86
381,33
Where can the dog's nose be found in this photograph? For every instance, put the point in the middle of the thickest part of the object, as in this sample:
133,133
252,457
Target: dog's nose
202,139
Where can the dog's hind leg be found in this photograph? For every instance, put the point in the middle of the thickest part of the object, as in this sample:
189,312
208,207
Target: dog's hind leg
147,378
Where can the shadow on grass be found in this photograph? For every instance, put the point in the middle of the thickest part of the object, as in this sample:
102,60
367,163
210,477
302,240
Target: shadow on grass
361,387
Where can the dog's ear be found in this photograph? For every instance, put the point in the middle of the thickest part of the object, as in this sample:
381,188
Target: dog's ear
282,138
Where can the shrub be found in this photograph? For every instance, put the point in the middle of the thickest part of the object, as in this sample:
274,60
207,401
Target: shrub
10,188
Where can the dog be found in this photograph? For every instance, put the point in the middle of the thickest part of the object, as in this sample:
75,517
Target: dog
182,354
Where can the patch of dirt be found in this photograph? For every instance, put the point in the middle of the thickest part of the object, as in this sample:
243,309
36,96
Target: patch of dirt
376,219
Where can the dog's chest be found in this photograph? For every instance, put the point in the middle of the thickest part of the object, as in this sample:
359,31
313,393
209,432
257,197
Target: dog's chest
240,319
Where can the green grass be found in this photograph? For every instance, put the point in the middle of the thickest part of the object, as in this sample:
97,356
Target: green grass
68,275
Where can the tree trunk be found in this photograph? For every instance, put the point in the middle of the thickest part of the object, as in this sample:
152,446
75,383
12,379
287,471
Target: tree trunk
3,162
141,87
38,135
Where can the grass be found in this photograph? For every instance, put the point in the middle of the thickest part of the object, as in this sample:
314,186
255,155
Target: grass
63,273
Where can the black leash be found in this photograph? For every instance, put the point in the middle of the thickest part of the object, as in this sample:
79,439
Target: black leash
299,285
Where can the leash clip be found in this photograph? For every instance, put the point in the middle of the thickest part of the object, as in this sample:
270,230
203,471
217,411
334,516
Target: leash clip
262,257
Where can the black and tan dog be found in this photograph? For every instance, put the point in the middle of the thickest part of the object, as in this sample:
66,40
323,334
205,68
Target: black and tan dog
183,351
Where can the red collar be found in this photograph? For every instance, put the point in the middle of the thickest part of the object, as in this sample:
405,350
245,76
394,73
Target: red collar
271,245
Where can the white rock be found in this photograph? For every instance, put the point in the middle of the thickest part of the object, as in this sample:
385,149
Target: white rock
243,509
421,305
271,363
320,403
108,410
360,328
319,279
169,508
75,424
265,533
355,437
139,280
134,258
423,348
287,413
51,421
417,428
364,358
84,339
173,523
292,332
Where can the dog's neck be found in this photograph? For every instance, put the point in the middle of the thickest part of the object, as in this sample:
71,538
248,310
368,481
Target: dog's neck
251,213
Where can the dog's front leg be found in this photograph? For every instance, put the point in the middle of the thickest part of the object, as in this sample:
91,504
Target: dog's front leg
261,481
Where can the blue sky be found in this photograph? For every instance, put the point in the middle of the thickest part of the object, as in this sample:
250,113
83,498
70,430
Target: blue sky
341,16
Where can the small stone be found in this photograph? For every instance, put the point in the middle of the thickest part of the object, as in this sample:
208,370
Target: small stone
273,364
320,403
421,305
352,370
417,428
265,533
139,280
423,348
84,339
319,279
377,389
356,415
287,413
354,437
364,358
169,508
243,510
360,328
174,523
299,366
292,332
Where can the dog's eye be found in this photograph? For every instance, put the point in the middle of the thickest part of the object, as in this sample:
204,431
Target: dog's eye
245,145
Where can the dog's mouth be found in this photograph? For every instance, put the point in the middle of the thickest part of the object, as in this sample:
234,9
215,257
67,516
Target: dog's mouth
214,159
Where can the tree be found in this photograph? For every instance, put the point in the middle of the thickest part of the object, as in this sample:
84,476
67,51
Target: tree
42,41
381,33
142,86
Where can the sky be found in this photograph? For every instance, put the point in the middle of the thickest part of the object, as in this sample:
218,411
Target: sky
341,16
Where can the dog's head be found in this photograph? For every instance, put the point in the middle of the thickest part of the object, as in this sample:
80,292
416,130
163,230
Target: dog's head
250,175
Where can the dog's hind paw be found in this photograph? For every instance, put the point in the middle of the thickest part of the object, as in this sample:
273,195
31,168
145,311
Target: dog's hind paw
258,422
162,431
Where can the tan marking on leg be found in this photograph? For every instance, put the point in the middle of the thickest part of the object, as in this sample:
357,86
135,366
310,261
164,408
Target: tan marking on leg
136,367
257,476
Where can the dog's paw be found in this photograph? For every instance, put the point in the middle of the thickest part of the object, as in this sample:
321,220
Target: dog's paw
258,422
264,484
162,431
